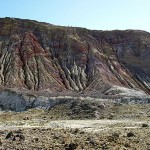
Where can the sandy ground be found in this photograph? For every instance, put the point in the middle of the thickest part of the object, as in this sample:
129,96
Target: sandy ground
86,125
96,125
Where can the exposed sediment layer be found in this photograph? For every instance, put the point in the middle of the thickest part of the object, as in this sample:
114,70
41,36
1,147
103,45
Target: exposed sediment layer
41,56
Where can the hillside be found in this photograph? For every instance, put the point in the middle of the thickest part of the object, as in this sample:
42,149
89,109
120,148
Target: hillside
40,56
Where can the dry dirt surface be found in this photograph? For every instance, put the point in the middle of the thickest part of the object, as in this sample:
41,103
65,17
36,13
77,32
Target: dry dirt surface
119,127
43,134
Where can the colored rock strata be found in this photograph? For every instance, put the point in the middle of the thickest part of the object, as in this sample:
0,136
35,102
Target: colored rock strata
40,56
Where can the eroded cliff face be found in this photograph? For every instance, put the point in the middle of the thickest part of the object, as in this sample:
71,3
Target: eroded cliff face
41,56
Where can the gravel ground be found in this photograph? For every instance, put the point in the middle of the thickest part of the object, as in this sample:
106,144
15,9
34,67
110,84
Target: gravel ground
75,134
127,129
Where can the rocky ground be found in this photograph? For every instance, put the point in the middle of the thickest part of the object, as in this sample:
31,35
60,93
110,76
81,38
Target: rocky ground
120,127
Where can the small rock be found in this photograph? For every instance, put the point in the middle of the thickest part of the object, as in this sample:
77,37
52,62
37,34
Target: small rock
36,139
145,125
71,146
126,145
26,118
91,141
76,131
9,135
130,134
14,138
21,137
82,132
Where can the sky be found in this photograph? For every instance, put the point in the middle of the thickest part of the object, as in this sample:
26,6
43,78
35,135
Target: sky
91,14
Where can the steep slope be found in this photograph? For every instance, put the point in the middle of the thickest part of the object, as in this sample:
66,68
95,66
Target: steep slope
41,56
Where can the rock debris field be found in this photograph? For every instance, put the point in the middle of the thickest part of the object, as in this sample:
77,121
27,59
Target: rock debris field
43,134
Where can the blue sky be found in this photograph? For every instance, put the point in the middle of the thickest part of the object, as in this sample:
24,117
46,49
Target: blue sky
92,14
